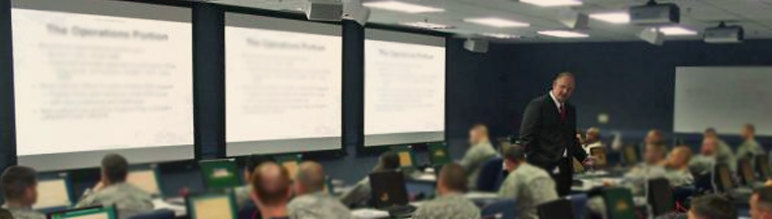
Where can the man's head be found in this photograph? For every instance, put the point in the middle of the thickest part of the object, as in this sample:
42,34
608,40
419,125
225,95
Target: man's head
711,133
271,185
478,134
310,178
388,161
655,153
761,203
20,185
593,135
654,136
680,157
115,168
563,86
749,131
251,163
452,179
709,146
712,207
514,156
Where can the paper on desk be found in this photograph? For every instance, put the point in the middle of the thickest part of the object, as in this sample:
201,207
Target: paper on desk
369,214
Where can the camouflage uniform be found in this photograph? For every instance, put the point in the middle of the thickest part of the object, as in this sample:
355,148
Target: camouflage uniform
24,213
749,148
243,196
474,159
530,186
636,179
701,164
318,205
359,195
127,199
450,206
679,177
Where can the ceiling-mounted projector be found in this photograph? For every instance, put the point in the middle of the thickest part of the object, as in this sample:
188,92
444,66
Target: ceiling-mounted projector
653,14
724,34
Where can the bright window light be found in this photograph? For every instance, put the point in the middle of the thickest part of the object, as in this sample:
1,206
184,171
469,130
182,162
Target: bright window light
677,31
563,34
552,3
496,22
614,17
402,7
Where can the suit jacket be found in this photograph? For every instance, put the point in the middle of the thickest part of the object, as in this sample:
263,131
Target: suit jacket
545,136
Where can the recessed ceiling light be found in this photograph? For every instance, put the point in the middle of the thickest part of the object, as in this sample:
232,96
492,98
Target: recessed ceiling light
496,22
677,31
427,25
552,3
563,34
613,17
501,35
401,6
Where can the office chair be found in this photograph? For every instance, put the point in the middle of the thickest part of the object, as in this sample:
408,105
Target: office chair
157,214
503,209
660,197
561,208
491,176
579,205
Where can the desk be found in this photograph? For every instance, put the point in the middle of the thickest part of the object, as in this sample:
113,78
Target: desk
179,210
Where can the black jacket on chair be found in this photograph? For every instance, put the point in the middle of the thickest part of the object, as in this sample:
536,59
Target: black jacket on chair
545,136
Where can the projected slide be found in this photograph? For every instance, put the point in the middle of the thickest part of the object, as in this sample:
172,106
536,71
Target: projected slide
283,85
87,84
404,88
725,98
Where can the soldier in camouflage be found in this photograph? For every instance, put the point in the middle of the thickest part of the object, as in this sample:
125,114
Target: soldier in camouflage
480,151
113,190
451,203
312,200
19,185
528,184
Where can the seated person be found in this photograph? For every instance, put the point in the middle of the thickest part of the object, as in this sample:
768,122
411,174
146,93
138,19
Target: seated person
478,153
704,162
20,189
311,199
113,190
361,193
724,153
529,185
677,167
750,147
450,203
271,191
242,193
712,207
651,168
592,139
654,136
761,203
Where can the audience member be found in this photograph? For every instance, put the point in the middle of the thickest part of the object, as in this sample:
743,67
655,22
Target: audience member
480,151
761,203
360,194
703,163
724,153
271,190
529,185
20,190
450,203
112,190
654,136
712,207
243,193
750,147
311,198
650,168
677,167
592,139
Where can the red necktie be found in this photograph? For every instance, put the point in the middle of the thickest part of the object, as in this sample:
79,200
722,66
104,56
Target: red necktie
562,113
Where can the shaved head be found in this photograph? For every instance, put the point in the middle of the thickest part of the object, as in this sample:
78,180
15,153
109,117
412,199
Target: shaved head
271,183
310,178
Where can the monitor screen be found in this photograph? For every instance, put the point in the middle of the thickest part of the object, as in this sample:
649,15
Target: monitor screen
145,180
220,174
212,207
52,194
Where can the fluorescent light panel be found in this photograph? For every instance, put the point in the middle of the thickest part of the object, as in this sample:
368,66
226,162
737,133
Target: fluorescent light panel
427,25
677,31
402,7
563,34
552,3
502,35
496,22
613,17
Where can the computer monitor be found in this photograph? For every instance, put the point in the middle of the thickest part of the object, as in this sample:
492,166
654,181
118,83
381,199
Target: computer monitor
762,164
53,194
631,154
439,154
212,206
722,177
747,174
619,203
560,208
660,197
85,213
600,156
406,156
290,162
220,174
388,189
145,179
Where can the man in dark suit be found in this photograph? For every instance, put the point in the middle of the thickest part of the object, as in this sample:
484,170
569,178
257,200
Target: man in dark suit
548,133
